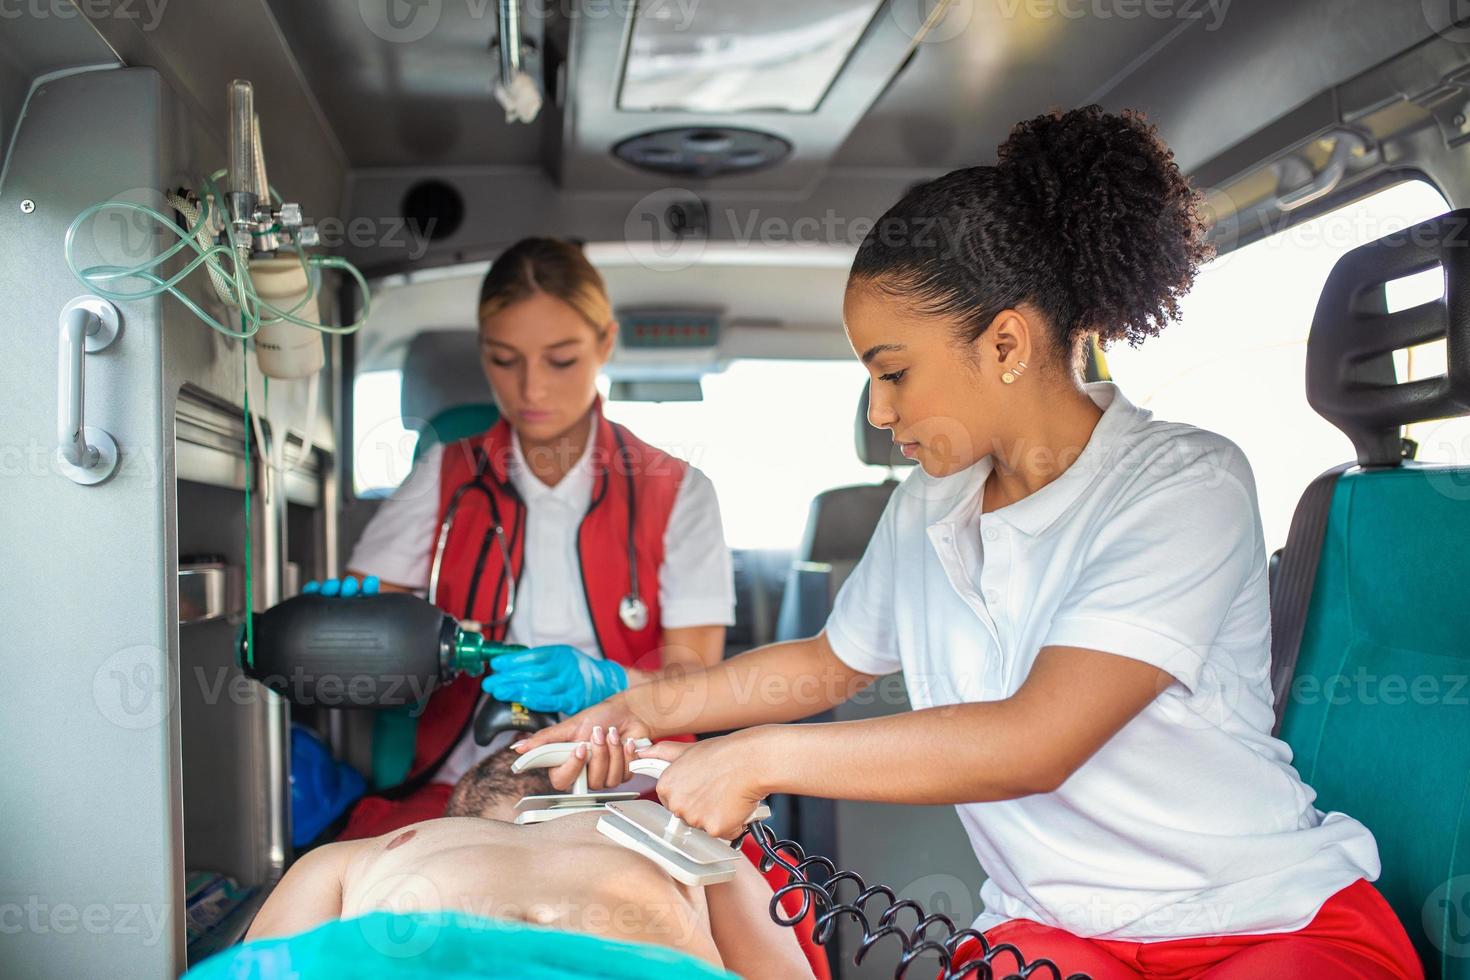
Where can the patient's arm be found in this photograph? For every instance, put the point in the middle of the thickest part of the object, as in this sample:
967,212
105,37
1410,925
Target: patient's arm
749,941
309,894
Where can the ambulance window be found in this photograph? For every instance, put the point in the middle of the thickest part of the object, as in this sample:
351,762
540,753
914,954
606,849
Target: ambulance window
1444,440
382,449
1236,361
770,435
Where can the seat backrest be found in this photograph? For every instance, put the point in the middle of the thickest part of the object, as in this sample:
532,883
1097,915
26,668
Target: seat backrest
1378,710
842,520
454,424
838,527
445,395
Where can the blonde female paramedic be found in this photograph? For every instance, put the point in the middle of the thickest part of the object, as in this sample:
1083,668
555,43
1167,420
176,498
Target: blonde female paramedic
556,528
1074,590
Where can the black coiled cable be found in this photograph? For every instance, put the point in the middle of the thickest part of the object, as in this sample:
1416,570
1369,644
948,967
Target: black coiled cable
914,942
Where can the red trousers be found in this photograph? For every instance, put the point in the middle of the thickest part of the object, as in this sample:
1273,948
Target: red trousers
1354,936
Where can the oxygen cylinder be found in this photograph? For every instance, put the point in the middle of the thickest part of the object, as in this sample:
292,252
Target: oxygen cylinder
287,350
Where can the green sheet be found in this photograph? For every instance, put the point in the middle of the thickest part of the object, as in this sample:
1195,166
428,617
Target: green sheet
448,946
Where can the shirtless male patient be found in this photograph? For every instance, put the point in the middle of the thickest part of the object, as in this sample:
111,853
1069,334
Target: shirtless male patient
562,874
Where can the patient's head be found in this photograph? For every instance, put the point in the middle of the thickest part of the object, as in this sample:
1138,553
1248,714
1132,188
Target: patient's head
490,790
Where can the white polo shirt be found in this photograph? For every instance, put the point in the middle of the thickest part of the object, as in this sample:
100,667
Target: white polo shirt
1190,821
696,583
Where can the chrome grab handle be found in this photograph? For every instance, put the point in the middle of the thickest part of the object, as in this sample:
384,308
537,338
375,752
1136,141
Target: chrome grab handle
1326,180
87,455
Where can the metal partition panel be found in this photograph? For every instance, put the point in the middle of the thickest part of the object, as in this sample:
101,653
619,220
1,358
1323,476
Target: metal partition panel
98,788
92,848
225,719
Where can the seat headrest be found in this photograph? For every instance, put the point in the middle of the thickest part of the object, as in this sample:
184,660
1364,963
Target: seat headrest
1350,372
875,446
441,370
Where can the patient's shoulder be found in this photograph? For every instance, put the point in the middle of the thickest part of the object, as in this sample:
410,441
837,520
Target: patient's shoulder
432,833
327,859
309,894
334,861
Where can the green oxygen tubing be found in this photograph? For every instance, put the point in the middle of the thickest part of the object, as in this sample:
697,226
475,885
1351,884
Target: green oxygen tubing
207,221
222,232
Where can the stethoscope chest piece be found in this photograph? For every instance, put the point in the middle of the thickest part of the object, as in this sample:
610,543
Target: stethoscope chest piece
633,611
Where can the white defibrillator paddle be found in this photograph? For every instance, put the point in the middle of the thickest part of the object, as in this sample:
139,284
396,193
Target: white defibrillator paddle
539,809
688,854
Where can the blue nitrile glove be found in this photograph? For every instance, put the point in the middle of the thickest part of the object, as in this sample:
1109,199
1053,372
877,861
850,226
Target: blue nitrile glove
553,678
346,587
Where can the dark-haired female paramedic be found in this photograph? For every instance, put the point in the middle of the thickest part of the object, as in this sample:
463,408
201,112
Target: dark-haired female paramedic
1074,590
556,528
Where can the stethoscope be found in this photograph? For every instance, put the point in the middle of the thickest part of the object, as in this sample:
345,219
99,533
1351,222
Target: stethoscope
632,610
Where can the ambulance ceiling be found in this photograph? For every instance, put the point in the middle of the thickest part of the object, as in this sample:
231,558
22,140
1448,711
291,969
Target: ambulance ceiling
361,100
407,82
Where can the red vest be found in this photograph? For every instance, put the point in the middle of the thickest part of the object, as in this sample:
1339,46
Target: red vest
472,583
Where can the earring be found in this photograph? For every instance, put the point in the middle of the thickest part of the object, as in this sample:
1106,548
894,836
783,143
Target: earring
1014,373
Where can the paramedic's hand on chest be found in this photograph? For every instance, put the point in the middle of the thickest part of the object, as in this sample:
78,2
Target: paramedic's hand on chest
713,785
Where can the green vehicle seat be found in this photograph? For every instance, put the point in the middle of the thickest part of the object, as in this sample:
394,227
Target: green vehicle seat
1371,611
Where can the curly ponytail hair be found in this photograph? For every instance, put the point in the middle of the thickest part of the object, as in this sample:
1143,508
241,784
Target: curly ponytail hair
1085,216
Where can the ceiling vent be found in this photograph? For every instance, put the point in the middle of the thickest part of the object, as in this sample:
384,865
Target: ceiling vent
433,209
702,151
